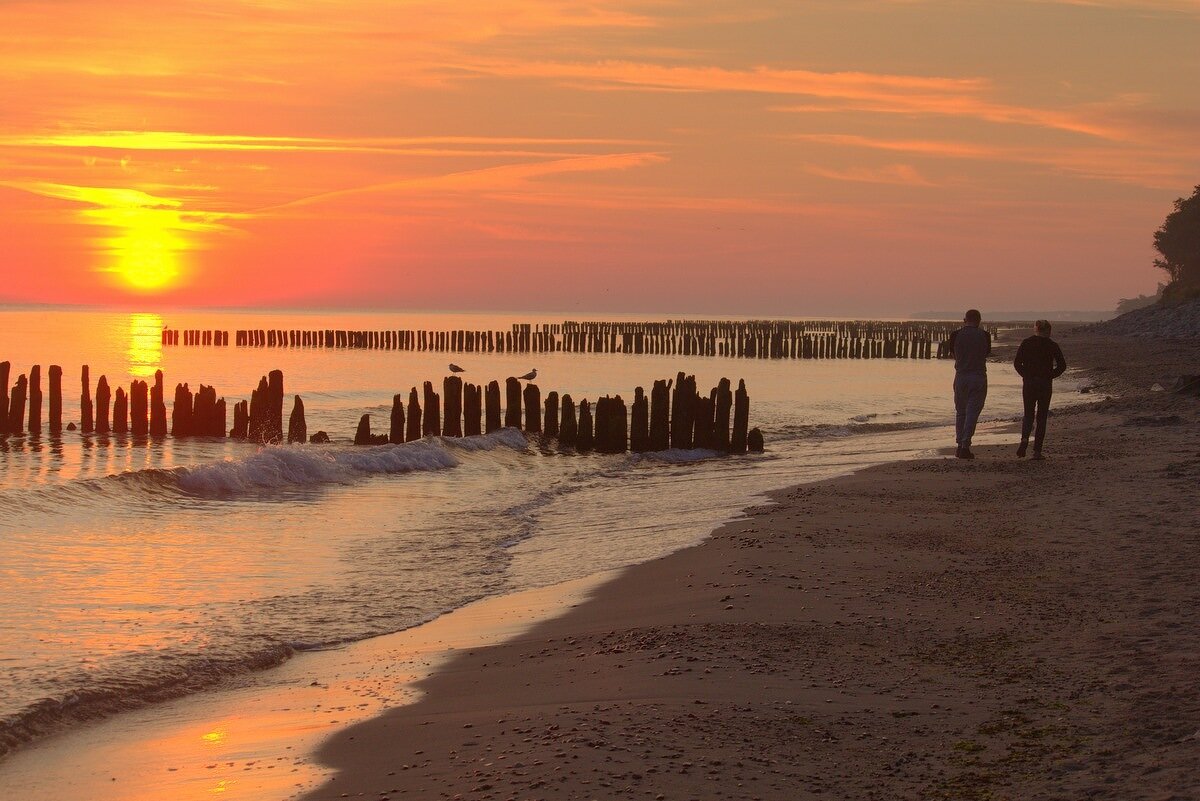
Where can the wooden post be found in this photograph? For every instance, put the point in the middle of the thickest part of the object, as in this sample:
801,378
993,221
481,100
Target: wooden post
55,399
139,406
724,407
512,408
241,420
181,412
297,425
602,427
682,408
103,394
433,413
660,416
618,426
754,441
741,419
120,412
473,410
85,403
550,418
158,407
703,426
568,430
586,436
363,435
452,391
5,367
35,400
274,429
492,402
533,408
413,426
16,406
396,431
639,432
257,412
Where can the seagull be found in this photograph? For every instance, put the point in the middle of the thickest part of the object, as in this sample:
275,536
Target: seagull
454,368
532,374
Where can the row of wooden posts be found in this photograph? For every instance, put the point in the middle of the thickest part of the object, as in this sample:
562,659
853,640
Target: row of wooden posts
736,339
674,415
678,417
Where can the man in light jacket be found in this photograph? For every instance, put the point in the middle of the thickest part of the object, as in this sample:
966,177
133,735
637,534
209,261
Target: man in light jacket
970,346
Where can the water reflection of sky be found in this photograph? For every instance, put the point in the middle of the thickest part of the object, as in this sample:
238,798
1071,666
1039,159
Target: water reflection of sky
145,344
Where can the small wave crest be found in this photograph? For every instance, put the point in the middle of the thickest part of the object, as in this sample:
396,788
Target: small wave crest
125,689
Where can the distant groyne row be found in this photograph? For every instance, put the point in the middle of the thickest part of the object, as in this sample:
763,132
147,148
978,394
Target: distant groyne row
673,415
766,339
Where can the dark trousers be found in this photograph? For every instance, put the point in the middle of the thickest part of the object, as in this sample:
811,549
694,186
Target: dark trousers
1036,393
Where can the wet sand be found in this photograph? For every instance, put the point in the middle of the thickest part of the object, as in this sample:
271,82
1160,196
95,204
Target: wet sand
996,629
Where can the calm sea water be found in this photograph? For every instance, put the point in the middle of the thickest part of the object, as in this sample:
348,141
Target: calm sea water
136,572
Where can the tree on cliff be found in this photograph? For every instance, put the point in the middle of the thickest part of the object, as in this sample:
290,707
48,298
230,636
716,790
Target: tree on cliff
1178,241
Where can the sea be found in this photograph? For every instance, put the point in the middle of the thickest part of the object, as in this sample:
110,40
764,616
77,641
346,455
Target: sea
134,572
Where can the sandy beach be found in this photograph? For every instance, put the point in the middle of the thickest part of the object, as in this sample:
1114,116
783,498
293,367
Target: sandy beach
996,629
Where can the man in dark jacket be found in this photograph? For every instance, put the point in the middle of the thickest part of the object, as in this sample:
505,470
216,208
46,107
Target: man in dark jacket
1039,361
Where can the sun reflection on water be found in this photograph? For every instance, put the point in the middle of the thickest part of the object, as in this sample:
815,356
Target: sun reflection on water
145,344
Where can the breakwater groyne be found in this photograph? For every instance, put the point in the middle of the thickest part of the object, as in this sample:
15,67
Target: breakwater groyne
750,339
674,414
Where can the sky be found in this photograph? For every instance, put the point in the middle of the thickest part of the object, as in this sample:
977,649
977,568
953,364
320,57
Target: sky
774,157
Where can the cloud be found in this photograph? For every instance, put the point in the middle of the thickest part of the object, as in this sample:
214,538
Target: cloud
488,177
898,174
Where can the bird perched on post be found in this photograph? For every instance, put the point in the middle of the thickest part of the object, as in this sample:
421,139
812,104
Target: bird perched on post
532,374
454,368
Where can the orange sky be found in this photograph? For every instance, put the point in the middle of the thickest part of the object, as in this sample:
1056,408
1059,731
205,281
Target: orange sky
752,157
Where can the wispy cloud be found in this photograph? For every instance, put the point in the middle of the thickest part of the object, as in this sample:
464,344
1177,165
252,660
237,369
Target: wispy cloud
897,174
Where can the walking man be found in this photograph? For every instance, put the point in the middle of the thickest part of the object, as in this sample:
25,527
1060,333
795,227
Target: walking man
1039,361
970,346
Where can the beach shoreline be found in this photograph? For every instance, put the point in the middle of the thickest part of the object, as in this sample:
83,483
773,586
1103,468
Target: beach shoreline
919,629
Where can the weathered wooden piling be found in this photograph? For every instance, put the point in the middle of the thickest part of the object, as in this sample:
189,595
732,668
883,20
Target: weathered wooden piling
722,413
181,412
639,428
55,399
472,410
741,419
5,367
550,418
586,439
754,441
532,398
396,429
492,402
413,426
660,416
297,426
703,412
363,435
512,408
85,403
241,420
158,407
35,400
16,406
257,423
103,396
433,413
452,401
682,411
120,423
274,422
139,408
568,429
